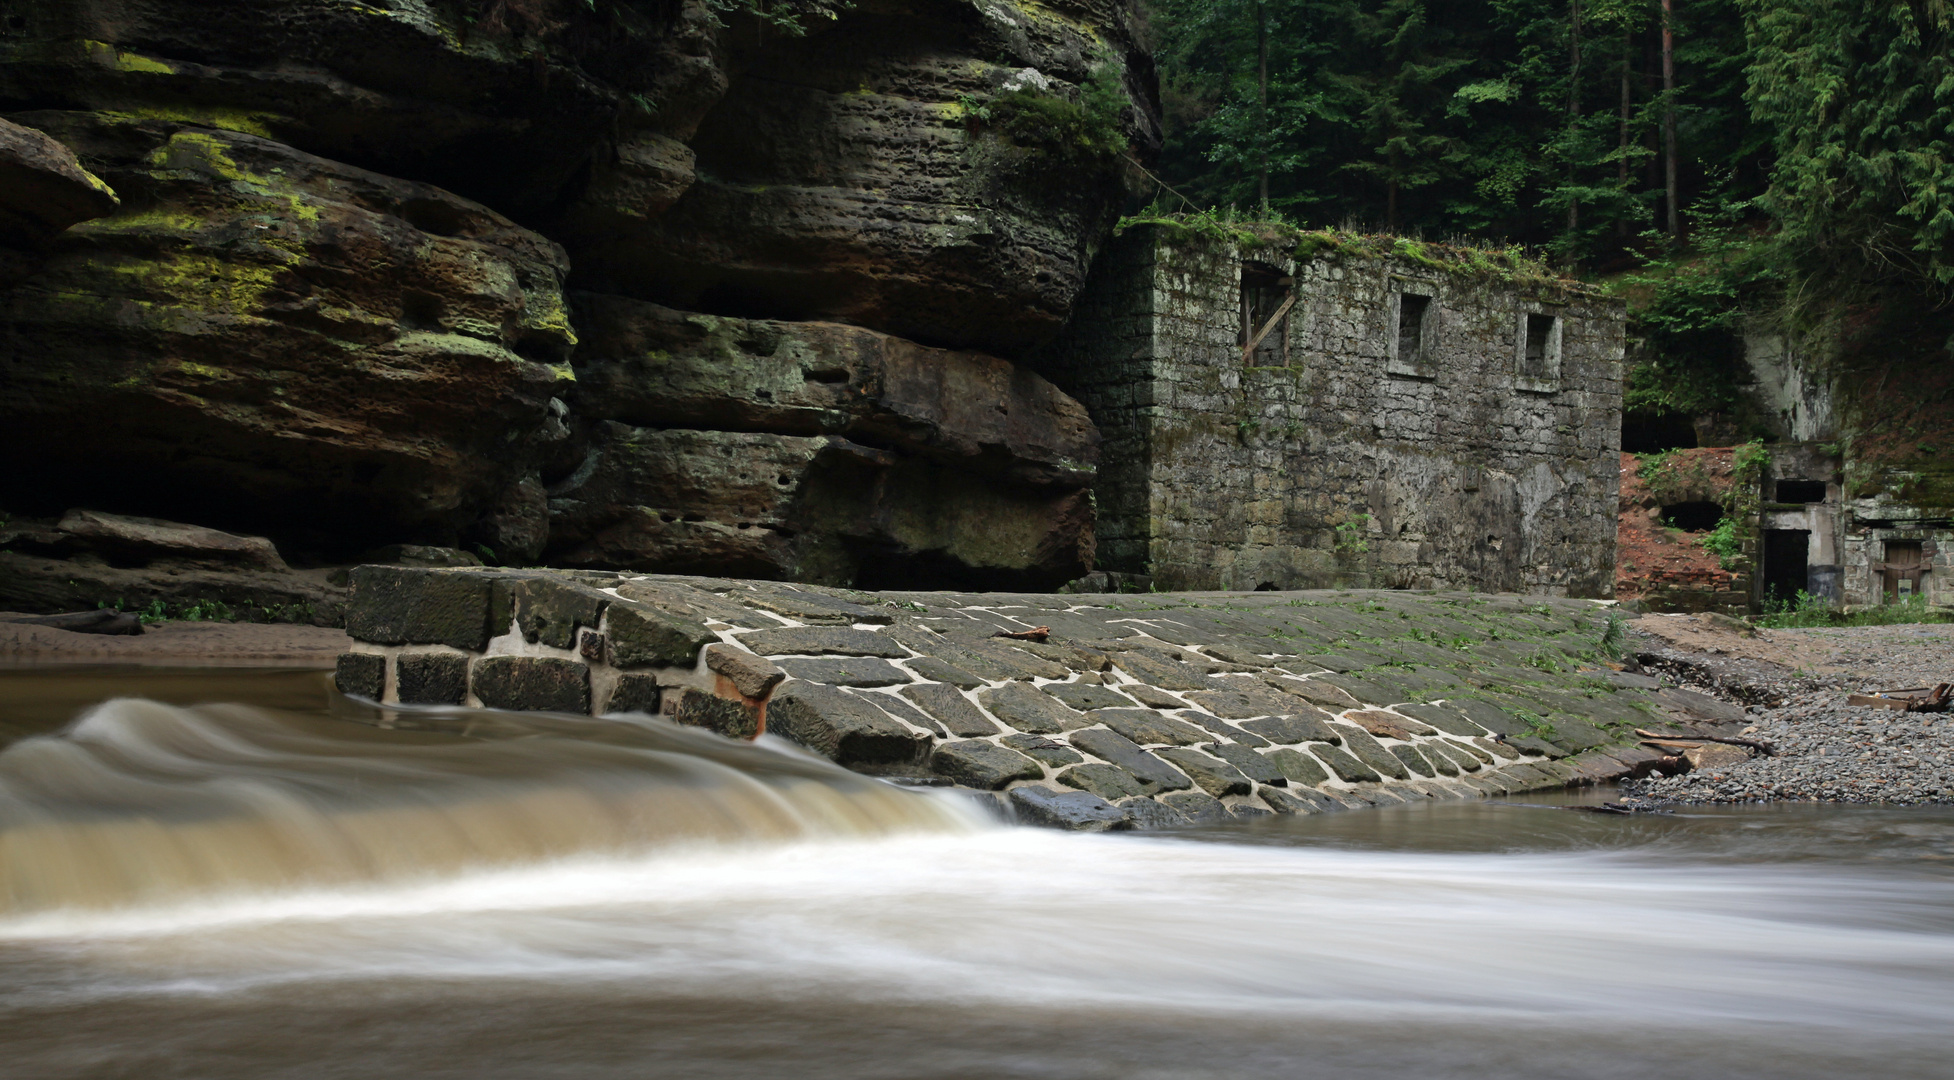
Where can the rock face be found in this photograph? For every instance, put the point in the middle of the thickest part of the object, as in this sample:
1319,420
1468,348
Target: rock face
870,171
362,354
315,316
817,451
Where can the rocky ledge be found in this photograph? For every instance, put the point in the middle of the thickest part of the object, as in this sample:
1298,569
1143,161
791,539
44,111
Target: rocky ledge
1081,711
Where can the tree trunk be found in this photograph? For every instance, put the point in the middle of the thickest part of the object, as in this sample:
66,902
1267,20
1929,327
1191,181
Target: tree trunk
1669,117
1621,148
1262,97
1573,104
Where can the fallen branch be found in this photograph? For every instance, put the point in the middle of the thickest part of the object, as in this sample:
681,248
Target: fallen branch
1755,744
1035,634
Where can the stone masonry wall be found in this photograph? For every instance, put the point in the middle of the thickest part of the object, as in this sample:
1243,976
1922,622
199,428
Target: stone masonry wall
1132,712
1346,466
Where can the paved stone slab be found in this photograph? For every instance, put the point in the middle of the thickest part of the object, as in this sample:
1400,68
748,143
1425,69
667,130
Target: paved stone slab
955,711
1223,728
1251,764
1078,811
1030,710
1297,801
1242,704
851,671
841,726
1216,777
1106,781
1152,696
1298,768
1324,694
1163,674
751,675
1146,727
1467,757
1386,725
431,678
1086,696
822,641
1043,750
1371,752
1449,720
361,675
1295,728
540,684
1147,813
983,765
1346,767
643,636
635,693
1196,808
810,607
1156,774
696,708
903,711
1413,760
935,670
402,605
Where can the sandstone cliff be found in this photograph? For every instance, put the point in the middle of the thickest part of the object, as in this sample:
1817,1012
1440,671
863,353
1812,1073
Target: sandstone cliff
331,306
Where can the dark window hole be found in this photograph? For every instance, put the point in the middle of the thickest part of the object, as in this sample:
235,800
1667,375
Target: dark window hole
1411,327
1267,586
1801,491
1693,516
1652,433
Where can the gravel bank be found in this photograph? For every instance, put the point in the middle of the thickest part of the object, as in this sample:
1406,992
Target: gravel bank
1828,751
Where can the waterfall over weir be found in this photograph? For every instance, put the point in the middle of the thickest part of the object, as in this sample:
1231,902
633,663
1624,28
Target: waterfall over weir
140,802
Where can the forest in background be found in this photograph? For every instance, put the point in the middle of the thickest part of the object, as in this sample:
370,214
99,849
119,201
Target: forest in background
1716,159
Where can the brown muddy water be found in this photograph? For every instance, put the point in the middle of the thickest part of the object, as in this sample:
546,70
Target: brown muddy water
222,875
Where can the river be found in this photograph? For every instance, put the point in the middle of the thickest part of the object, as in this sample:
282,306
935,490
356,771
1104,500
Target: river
265,888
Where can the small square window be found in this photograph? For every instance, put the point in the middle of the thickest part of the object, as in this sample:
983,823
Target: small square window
1264,336
1537,353
1801,491
1414,322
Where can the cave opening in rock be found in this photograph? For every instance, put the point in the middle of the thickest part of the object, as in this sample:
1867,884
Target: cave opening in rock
1693,516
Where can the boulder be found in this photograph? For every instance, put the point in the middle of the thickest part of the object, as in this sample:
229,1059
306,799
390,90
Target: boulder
930,169
279,342
146,540
43,190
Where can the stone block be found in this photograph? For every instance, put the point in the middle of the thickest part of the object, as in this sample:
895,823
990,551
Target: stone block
1252,765
532,683
822,641
696,708
1295,727
935,670
1241,704
1216,777
1413,760
1146,727
1078,811
1043,750
841,726
752,676
984,765
361,675
635,693
644,636
551,610
1298,767
1145,813
1196,808
955,711
864,671
404,605
1386,725
1030,710
1450,721
1088,696
1345,766
1152,696
1106,781
430,679
1298,801
1152,772
1223,728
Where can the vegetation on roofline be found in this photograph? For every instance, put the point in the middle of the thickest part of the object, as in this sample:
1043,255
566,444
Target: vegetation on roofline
1511,263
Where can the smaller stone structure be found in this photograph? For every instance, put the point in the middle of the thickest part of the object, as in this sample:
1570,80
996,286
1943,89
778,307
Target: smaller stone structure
1314,411
1130,711
1891,541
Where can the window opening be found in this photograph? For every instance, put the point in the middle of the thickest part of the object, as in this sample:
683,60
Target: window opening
1267,296
1540,336
1693,516
1900,573
1411,328
1801,491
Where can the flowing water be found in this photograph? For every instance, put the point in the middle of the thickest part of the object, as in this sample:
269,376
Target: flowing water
265,888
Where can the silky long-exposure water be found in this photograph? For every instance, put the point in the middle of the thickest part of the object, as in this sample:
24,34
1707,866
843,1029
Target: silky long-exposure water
243,891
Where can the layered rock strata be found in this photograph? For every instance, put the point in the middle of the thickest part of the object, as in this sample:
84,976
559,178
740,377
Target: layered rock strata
1131,712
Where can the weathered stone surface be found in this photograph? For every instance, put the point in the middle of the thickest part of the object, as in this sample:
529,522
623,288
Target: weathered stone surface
696,708
1079,811
1295,727
839,185
751,675
1468,757
1448,720
1413,760
962,718
1145,813
431,678
1106,781
43,189
1320,693
1252,765
552,610
635,694
643,636
1147,727
541,684
1700,706
1198,808
405,606
903,711
1298,768
808,508
841,726
1243,704
361,675
929,667
1371,752
1030,710
810,604
1043,750
1299,801
1167,675
854,671
1345,766
983,765
1150,771
1387,725
822,641
150,539
1216,777
1087,696
228,323
1151,696
1221,727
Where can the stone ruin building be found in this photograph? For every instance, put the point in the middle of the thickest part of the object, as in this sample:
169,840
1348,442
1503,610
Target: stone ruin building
1333,414
1889,542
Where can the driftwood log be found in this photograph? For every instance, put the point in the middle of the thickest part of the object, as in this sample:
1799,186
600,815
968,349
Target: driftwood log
105,621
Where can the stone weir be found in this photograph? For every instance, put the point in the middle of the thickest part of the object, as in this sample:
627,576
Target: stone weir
1086,711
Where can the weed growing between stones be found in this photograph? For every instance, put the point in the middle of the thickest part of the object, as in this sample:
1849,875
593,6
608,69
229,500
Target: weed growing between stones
1806,610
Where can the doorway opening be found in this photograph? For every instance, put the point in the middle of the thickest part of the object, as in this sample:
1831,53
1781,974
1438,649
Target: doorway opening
1900,573
1787,570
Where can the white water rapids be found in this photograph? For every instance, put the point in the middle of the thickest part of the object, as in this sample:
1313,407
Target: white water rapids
231,892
